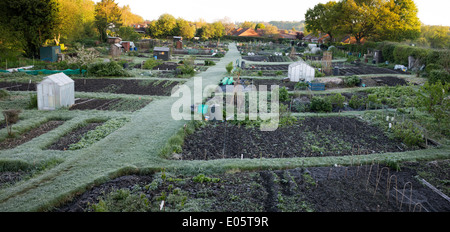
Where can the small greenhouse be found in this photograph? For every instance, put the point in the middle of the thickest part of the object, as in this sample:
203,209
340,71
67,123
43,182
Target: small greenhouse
301,71
55,91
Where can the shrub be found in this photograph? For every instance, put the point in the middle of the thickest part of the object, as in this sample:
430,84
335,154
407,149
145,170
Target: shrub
209,63
151,63
278,73
356,102
33,103
186,69
439,76
408,133
11,116
337,100
107,69
229,67
351,81
283,94
3,93
319,104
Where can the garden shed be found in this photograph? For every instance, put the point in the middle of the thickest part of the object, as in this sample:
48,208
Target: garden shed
301,71
49,53
55,91
161,53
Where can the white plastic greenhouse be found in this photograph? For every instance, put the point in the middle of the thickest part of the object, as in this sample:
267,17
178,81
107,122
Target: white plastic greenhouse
301,71
55,91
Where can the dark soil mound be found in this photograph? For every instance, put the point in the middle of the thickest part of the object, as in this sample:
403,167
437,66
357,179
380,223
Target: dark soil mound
313,136
33,133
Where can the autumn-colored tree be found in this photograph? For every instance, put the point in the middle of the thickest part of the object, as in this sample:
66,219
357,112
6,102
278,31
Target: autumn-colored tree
128,18
379,19
247,24
162,27
323,18
108,16
184,29
75,16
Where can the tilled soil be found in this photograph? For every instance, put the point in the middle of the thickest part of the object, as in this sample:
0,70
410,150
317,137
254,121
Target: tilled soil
73,137
93,104
120,86
311,137
371,188
10,143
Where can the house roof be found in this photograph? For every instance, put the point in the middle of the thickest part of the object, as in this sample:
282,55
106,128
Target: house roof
245,32
161,49
59,78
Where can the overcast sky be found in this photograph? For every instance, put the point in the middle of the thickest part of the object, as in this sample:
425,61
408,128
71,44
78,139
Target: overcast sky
431,12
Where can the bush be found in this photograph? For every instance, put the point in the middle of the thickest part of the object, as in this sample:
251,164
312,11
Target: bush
408,133
107,69
283,94
439,76
33,103
3,93
319,104
151,63
229,67
356,102
186,70
337,100
11,116
351,81
209,63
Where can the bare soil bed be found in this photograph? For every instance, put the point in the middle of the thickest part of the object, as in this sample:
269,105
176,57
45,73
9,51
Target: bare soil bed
73,137
311,137
10,143
362,69
370,188
120,86
109,104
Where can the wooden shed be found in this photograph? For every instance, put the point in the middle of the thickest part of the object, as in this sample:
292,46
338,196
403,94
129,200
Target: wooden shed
49,53
161,53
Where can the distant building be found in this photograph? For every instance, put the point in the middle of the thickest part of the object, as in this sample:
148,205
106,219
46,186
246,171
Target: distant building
245,32
320,38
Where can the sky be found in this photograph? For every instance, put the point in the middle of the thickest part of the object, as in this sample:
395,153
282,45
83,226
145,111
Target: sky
431,12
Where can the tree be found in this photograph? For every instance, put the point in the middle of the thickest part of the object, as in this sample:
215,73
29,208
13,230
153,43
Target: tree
270,30
260,26
162,27
247,24
323,18
378,19
75,18
34,20
184,29
128,34
108,16
129,18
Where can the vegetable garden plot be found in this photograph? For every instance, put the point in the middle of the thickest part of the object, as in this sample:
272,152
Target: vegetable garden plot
73,137
361,69
10,143
88,134
110,104
308,137
138,87
369,188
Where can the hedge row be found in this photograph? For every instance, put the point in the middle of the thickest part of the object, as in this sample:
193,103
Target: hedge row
398,53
